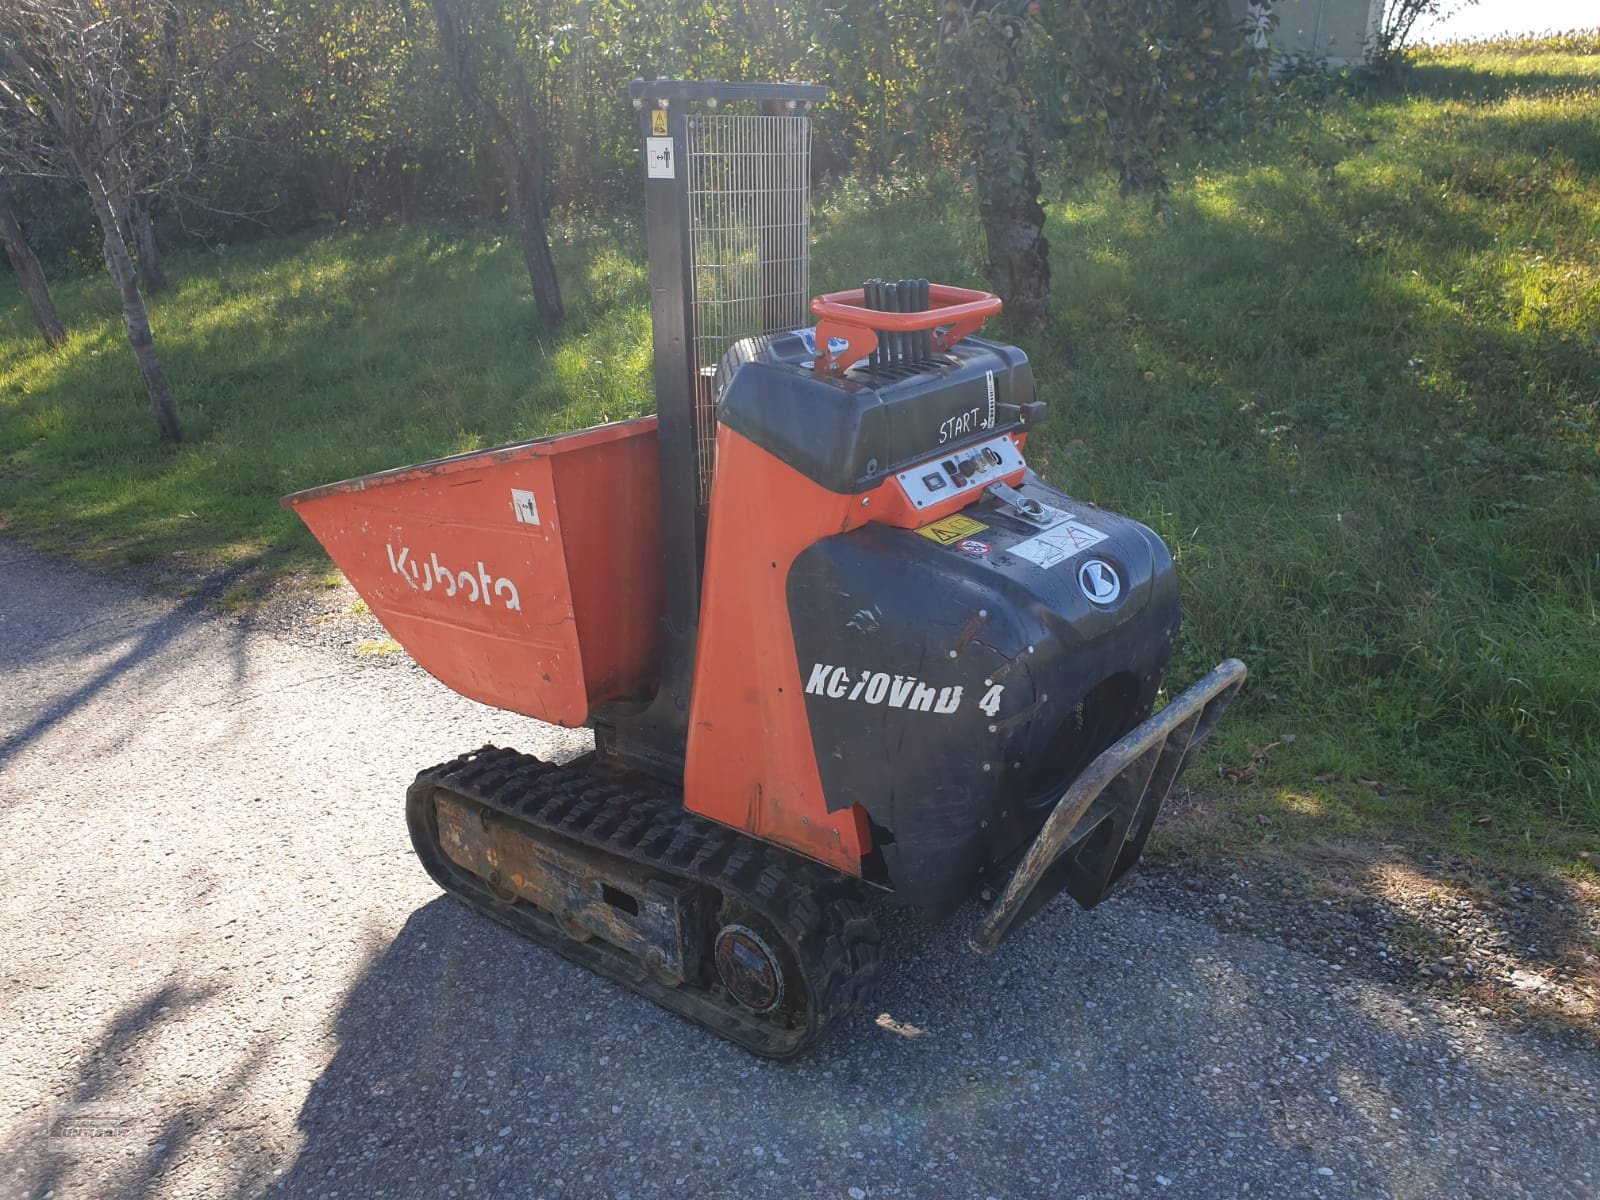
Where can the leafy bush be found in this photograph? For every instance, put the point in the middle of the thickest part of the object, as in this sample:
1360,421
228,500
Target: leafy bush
1124,80
59,227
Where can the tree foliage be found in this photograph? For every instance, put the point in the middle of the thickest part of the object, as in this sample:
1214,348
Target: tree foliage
234,117
333,110
1134,77
988,44
1399,21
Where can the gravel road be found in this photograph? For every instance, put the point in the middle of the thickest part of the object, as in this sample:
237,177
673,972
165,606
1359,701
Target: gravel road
220,959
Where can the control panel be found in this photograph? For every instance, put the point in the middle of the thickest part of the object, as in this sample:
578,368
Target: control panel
969,469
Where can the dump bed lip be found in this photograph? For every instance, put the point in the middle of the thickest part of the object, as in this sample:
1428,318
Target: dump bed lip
596,435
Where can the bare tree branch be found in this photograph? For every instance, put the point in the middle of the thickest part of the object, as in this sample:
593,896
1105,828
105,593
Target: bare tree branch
71,59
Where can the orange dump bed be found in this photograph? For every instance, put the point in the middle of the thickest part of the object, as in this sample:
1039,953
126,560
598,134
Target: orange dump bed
527,577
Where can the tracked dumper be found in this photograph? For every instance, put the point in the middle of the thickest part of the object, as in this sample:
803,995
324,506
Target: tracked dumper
836,641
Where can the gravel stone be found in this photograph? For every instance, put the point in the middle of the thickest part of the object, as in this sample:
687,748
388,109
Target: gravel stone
217,946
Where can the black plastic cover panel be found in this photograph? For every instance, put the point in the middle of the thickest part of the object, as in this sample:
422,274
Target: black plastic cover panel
958,678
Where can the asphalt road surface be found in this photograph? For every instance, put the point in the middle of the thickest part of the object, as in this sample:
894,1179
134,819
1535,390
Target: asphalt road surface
222,974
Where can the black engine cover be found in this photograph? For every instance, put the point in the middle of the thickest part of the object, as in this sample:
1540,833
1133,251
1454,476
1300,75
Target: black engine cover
954,691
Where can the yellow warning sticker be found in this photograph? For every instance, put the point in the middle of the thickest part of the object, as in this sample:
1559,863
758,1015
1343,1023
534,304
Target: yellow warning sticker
952,529
658,121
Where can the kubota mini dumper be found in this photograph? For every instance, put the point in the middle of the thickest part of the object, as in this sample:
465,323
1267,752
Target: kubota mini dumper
834,638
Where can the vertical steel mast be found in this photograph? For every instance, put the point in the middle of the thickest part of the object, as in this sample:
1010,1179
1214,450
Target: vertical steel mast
727,224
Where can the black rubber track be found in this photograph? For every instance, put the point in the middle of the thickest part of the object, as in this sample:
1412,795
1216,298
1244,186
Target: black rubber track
818,913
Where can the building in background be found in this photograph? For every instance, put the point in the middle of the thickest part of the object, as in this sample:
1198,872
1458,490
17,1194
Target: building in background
1340,33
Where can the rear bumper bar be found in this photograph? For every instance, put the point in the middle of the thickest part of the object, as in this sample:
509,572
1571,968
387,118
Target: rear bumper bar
1098,828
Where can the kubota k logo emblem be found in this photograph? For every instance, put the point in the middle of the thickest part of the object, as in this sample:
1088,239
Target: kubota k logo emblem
1099,581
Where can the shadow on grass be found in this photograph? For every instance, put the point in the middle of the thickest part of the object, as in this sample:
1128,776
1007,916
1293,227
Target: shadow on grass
1450,81
1352,385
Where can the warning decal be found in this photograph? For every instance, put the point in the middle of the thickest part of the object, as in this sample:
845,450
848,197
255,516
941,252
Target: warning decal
1058,543
524,506
952,529
658,121
658,158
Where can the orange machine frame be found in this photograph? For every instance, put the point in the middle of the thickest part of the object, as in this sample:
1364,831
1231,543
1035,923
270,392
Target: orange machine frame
751,760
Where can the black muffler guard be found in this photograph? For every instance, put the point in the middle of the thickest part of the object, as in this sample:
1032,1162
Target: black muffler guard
1099,827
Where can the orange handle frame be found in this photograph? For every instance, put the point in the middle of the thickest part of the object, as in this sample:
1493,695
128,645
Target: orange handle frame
844,315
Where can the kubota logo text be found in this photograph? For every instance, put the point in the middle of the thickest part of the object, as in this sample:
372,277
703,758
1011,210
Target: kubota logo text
427,574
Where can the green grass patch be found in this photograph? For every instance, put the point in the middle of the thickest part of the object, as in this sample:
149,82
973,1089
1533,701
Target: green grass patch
1354,381
296,362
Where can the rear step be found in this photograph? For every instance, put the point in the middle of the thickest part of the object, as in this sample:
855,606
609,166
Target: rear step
758,945
1098,828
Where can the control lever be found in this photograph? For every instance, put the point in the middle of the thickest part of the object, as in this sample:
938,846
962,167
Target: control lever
1030,413
1024,506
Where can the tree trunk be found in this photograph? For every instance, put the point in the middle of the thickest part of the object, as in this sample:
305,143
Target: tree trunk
30,275
521,157
527,195
536,257
151,273
1019,255
134,313
526,210
984,39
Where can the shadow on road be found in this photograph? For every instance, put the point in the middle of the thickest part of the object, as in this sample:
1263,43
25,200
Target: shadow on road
91,619
1096,1049
102,1122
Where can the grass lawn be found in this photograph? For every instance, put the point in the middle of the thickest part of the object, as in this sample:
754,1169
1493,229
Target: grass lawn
1354,382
